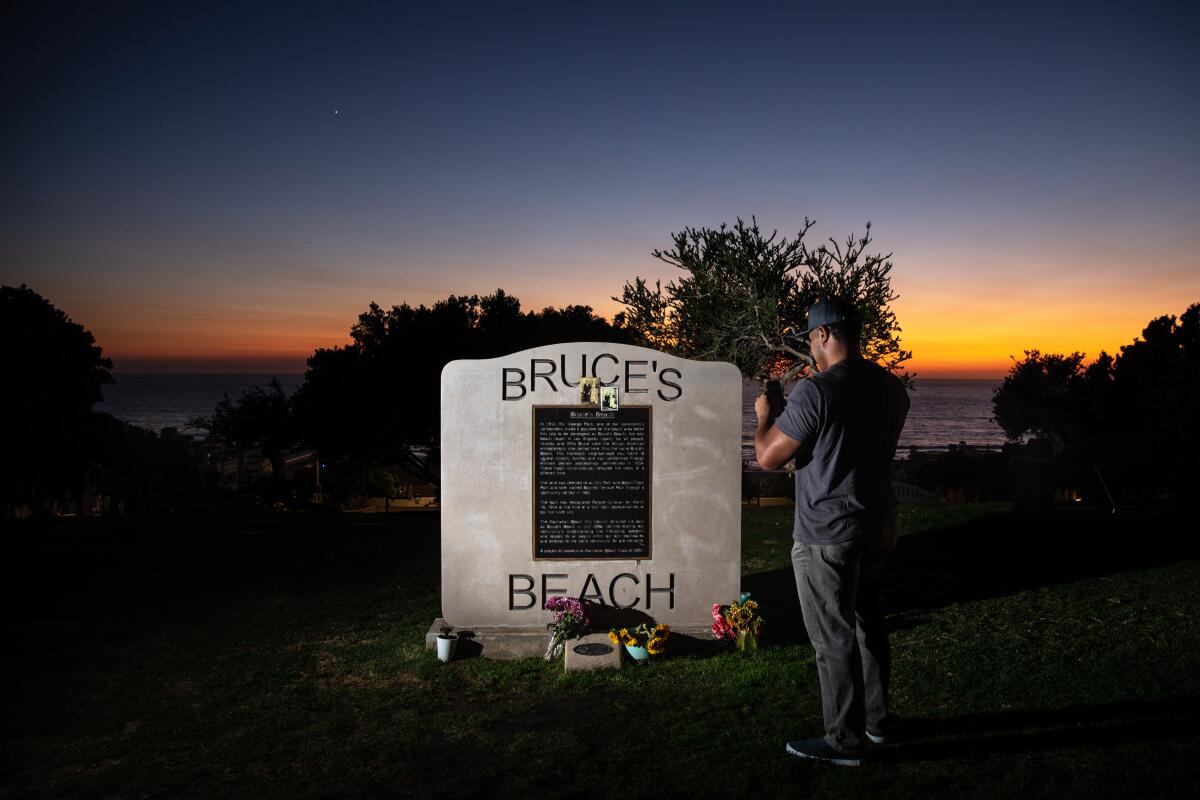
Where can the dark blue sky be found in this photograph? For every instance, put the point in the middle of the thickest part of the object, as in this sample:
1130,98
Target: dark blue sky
207,186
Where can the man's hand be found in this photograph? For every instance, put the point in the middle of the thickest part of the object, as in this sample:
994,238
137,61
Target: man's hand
763,410
773,393
772,447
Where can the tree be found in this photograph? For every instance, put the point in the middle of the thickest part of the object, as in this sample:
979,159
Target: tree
376,402
744,297
1133,419
1043,395
146,471
259,418
1156,379
1151,387
54,378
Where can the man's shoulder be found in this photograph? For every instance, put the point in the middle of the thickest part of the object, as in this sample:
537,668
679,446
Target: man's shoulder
878,381
807,386
846,375
893,382
882,374
895,389
851,372
890,377
808,394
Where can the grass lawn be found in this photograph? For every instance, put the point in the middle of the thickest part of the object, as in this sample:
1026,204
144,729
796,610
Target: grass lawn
282,656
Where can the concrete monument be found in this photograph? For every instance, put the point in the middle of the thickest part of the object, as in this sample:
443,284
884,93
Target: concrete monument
632,502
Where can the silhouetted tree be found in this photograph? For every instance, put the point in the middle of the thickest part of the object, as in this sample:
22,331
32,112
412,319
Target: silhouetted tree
1151,386
1134,418
376,401
53,379
1156,379
259,418
1043,394
148,471
744,296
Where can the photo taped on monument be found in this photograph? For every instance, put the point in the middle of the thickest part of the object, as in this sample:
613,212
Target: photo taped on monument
589,391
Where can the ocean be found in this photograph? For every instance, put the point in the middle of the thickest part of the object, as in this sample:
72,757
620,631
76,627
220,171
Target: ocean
169,400
943,412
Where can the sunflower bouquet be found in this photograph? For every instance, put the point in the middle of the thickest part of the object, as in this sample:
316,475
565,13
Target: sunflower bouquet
643,641
738,622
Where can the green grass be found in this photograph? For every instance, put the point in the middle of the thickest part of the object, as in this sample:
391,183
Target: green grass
177,656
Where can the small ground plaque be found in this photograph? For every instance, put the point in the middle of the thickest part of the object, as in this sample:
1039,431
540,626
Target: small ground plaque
592,651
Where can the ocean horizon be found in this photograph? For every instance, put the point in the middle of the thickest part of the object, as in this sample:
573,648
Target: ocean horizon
944,411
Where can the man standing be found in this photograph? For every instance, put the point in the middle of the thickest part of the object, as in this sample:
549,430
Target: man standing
841,425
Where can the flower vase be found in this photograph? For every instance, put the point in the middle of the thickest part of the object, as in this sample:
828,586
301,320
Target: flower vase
446,643
638,654
555,648
747,642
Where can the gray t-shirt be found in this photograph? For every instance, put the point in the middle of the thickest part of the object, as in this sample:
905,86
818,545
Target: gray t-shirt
848,419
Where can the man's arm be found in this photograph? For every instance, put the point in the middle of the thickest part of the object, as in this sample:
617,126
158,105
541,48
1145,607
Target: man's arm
772,447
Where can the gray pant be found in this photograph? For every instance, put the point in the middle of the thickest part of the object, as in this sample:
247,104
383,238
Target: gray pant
839,587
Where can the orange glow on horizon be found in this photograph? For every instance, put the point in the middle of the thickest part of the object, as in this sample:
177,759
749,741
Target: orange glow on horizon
943,348
957,324
951,352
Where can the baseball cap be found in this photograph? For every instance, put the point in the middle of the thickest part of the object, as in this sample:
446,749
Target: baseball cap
828,312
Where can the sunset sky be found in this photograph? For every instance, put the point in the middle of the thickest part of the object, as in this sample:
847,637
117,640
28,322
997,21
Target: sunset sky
210,190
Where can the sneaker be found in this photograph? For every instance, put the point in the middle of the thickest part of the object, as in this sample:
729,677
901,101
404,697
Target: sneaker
887,733
821,750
